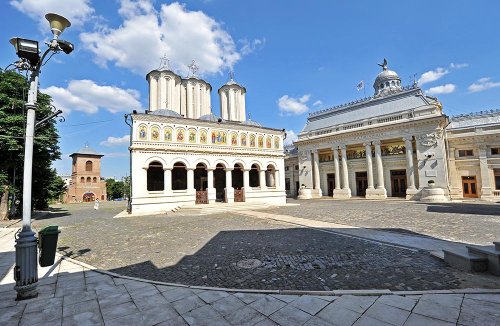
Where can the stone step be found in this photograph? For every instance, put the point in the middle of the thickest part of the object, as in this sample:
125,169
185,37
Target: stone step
491,253
465,261
497,245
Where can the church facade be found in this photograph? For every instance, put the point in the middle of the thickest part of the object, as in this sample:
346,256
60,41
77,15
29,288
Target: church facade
182,154
398,143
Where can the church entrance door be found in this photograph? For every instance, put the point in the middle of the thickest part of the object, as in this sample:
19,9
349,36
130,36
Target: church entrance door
237,179
220,183
200,184
398,183
469,186
331,183
361,183
88,197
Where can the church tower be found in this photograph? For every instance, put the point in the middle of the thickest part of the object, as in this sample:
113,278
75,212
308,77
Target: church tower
232,100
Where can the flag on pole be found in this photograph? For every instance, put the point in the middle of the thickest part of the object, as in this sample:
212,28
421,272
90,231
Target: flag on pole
361,85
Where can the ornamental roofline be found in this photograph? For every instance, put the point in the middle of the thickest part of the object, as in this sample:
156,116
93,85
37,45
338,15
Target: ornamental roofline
475,115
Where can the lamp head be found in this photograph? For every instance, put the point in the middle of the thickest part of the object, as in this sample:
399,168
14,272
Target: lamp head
57,24
26,49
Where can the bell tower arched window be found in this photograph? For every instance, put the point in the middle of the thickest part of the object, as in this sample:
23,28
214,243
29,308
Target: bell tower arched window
88,166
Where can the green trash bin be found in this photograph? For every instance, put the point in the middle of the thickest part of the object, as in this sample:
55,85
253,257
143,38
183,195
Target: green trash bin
47,242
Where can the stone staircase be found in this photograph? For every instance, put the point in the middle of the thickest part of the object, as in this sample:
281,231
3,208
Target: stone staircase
217,208
475,258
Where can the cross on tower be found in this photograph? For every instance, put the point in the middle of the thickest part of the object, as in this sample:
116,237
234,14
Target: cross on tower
164,62
231,75
193,68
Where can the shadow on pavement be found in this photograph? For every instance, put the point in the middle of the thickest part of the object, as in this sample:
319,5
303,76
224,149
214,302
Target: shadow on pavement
462,208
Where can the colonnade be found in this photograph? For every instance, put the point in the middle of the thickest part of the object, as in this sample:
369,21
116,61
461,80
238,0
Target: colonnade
374,190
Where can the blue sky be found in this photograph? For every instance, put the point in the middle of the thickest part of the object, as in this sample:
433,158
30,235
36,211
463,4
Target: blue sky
293,57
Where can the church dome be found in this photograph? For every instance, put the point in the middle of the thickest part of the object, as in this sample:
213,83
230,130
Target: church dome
166,113
210,117
387,82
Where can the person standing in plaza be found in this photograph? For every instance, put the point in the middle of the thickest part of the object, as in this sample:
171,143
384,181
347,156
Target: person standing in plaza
96,204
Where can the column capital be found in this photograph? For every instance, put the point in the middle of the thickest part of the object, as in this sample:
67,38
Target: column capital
408,138
167,168
247,170
367,144
190,169
314,150
376,142
228,169
343,146
210,169
335,147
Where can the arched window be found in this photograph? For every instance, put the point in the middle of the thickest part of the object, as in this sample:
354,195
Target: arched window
94,180
88,166
82,180
89,180
179,176
270,176
155,180
254,176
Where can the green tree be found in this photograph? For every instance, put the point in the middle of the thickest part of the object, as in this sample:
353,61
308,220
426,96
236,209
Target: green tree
114,189
13,95
57,187
126,186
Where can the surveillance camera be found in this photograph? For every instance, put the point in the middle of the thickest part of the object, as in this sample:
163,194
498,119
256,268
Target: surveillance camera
66,46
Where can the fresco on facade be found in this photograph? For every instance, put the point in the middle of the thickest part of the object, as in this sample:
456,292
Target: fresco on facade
234,139
180,135
143,132
276,142
192,135
168,134
203,136
155,133
268,142
252,140
243,139
261,141
219,137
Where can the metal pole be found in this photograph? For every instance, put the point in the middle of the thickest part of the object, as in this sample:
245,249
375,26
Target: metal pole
26,269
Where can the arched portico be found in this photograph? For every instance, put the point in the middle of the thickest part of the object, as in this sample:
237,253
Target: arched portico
238,183
201,183
220,182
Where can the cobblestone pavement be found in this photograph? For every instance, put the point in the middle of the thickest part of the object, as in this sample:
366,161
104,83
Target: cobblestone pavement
470,222
72,294
234,251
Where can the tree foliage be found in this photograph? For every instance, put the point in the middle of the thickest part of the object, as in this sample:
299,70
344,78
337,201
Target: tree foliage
13,95
114,189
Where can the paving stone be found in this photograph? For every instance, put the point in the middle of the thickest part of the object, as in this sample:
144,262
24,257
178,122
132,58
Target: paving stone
245,316
338,314
328,298
290,315
212,296
134,285
495,298
387,314
266,322
149,302
267,305
228,305
419,320
397,301
159,314
248,297
11,315
113,299
118,310
41,304
437,311
368,321
205,315
483,311
285,298
188,303
143,292
176,294
46,316
85,318
83,312
177,321
311,305
356,303
133,319
316,321
79,297
448,300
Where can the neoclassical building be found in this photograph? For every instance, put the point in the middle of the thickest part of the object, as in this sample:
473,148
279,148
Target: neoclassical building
86,184
182,154
397,143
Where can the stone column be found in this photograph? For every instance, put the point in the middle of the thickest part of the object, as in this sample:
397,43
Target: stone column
336,165
246,179
369,165
454,179
153,94
262,179
411,190
210,185
190,180
345,175
316,175
189,100
277,179
167,188
344,191
485,172
229,186
382,193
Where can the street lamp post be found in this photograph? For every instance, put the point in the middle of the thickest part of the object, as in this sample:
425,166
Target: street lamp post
26,269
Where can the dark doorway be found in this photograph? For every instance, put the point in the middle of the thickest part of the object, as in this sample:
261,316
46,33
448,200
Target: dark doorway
254,176
331,183
219,182
361,183
200,184
398,183
179,176
469,186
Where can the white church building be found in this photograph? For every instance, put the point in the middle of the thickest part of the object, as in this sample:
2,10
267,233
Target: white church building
182,154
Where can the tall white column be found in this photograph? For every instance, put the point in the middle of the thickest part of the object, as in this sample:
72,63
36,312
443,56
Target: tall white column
231,105
168,181
410,170
485,172
336,165
189,108
316,174
162,92
380,167
153,94
369,165
210,185
190,179
277,179
262,179
246,179
229,186
345,175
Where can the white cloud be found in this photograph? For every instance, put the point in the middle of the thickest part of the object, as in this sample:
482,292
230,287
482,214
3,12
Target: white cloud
291,136
317,103
432,75
146,35
443,89
87,96
116,141
482,85
76,11
290,105
251,46
458,65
